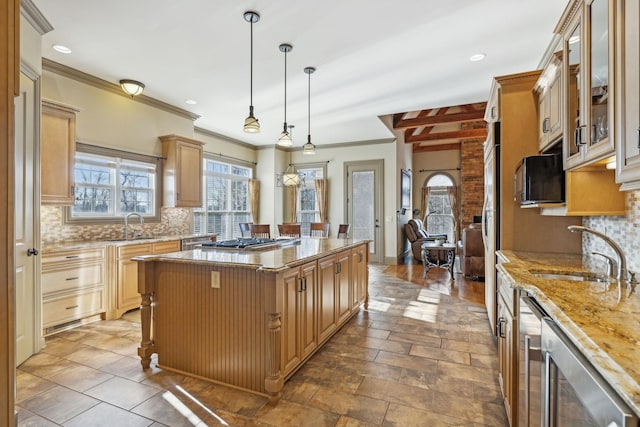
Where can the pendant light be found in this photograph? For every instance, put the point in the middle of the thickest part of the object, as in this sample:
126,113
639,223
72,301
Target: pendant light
285,139
251,124
309,148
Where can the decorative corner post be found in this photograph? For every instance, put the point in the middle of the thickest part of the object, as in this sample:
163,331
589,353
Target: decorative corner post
274,382
146,287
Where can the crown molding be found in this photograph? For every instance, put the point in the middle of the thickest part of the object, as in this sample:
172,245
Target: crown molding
33,15
213,134
83,77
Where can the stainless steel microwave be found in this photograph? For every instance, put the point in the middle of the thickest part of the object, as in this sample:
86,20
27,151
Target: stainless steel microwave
539,179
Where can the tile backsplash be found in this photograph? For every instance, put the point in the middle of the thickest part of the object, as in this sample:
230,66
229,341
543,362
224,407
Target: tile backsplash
624,230
174,221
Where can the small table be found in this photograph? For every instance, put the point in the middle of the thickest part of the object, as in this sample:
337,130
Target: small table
436,250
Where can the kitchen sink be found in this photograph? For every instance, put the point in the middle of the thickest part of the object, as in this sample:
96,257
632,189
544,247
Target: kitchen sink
572,277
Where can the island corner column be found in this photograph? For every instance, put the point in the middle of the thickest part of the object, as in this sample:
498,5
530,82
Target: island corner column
146,288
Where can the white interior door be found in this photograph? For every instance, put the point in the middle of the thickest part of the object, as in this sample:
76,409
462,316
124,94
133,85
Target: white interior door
364,204
27,108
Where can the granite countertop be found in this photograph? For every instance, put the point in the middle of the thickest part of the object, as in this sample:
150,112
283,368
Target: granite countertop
272,259
605,329
88,244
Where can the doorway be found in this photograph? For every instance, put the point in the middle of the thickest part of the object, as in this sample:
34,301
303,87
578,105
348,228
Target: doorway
27,231
363,204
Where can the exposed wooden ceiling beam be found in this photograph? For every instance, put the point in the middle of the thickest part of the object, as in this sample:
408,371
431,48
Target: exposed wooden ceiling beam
439,119
439,147
443,136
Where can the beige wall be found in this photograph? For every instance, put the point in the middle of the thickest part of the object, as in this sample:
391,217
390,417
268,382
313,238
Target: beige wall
30,46
111,120
219,144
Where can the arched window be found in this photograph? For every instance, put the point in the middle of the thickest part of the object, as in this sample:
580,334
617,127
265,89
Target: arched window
439,218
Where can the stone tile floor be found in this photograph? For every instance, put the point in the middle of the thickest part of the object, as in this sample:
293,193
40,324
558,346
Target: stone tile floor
417,357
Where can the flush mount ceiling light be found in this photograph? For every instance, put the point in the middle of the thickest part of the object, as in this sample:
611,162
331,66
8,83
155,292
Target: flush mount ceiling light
60,48
191,102
477,57
285,139
131,87
251,124
309,148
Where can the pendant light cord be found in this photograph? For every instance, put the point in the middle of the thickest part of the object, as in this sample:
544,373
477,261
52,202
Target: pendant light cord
251,68
309,109
285,90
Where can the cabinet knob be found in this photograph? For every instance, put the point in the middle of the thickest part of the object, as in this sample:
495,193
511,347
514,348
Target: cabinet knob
638,137
32,251
545,125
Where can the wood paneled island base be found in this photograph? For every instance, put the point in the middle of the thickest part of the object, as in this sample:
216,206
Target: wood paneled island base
248,319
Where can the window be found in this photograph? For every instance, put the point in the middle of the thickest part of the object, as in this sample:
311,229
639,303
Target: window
307,209
226,199
111,183
439,219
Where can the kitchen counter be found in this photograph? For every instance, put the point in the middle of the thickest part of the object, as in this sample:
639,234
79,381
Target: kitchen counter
88,244
307,249
606,330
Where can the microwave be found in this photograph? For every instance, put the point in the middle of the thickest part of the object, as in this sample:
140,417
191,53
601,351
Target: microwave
539,179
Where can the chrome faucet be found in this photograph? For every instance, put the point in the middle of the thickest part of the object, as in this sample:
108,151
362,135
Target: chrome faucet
126,222
622,275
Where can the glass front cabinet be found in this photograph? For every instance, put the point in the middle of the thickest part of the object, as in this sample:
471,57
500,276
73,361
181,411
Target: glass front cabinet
588,40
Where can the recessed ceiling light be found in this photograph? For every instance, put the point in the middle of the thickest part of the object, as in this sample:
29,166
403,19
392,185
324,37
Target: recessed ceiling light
60,48
477,57
191,102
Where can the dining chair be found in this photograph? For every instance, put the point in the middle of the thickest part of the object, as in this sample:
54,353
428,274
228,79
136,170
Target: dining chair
289,230
343,231
262,231
319,229
245,229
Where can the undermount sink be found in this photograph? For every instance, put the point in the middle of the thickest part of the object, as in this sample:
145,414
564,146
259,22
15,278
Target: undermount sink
572,277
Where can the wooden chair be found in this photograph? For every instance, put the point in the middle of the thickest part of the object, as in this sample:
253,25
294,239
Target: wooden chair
262,231
343,231
245,229
319,229
289,230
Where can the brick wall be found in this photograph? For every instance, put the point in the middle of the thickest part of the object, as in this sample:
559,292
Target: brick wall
471,179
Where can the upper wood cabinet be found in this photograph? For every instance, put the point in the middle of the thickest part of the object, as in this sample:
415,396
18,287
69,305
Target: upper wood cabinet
57,153
182,184
588,42
549,93
628,94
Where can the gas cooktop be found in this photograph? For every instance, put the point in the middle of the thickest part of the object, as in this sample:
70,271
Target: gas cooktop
248,243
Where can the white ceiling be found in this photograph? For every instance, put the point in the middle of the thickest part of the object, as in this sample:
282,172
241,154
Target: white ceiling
373,57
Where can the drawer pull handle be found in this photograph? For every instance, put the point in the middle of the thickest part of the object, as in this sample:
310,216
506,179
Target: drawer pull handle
71,278
72,307
72,256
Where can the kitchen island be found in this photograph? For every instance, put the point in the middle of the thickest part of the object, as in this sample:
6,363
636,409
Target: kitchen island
248,318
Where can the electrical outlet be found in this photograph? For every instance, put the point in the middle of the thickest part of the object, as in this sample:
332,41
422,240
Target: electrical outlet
215,279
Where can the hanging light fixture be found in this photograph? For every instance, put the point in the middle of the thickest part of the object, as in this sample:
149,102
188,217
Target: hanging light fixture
131,87
285,139
251,124
309,148
289,178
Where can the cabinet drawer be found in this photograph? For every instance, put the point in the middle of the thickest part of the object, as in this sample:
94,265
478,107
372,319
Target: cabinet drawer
507,292
130,251
73,278
64,309
74,255
165,247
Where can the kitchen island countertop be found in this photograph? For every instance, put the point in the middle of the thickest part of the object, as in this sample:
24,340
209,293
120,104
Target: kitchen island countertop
606,330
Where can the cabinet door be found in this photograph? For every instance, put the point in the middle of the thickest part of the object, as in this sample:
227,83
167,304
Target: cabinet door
358,276
574,76
327,320
128,296
307,303
290,320
343,286
57,153
628,67
505,357
188,175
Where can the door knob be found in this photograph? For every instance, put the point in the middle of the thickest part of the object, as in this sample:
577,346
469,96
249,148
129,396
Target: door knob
32,251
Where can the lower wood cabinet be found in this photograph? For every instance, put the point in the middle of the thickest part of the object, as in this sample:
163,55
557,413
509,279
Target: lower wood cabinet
507,350
299,335
359,276
73,287
124,286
